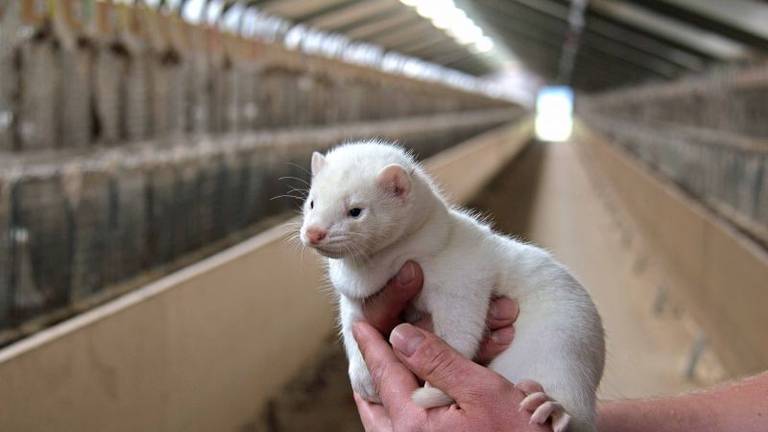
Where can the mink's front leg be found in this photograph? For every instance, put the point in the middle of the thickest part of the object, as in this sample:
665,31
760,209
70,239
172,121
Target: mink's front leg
460,322
359,377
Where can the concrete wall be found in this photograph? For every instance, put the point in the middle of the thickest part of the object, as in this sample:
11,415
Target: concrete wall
201,349
718,273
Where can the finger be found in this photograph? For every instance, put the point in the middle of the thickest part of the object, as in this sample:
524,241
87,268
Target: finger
383,310
529,387
560,422
533,401
502,313
494,344
425,323
434,361
544,412
373,416
393,381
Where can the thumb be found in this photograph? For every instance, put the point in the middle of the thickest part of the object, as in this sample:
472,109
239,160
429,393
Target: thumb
432,360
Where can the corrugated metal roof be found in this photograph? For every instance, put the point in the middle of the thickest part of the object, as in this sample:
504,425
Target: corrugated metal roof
621,42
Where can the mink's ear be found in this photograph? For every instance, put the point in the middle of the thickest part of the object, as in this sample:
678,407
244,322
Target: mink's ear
318,162
394,179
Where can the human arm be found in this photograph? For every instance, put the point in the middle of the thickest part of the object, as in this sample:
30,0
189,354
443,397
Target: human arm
741,406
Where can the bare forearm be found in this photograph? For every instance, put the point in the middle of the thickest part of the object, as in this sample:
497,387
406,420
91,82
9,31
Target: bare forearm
679,414
739,407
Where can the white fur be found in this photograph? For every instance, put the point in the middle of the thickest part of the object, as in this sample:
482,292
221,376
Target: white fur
558,334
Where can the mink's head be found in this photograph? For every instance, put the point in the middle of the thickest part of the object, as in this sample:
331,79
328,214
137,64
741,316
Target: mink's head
362,200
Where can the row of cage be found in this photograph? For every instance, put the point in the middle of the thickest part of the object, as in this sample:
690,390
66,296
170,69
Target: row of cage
146,75
76,227
732,100
725,171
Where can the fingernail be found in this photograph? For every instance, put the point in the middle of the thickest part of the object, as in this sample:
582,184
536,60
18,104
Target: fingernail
495,312
407,274
406,339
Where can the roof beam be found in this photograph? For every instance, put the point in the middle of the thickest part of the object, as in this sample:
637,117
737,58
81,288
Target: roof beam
532,33
442,46
741,20
367,31
678,32
345,13
404,34
429,45
292,9
667,60
371,19
426,43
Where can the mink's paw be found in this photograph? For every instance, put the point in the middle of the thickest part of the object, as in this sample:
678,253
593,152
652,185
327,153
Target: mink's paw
542,407
430,397
362,383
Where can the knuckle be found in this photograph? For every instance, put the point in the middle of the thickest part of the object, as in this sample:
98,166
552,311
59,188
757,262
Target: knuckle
500,386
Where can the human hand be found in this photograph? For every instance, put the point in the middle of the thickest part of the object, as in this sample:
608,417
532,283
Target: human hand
484,399
384,311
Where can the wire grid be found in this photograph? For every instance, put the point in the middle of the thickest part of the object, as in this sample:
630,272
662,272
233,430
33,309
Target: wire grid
724,171
74,231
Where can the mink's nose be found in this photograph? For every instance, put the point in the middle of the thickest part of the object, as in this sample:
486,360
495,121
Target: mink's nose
316,235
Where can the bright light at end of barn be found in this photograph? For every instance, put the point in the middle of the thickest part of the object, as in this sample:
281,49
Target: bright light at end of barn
554,114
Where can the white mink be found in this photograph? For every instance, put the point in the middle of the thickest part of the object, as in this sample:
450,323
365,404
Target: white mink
371,208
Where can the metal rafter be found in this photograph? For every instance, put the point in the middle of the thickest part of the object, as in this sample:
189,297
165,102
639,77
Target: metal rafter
345,13
530,35
443,46
425,43
405,34
295,9
548,18
677,33
740,20
372,30
393,12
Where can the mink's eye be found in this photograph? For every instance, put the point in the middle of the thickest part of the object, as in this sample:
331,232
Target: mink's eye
311,204
355,212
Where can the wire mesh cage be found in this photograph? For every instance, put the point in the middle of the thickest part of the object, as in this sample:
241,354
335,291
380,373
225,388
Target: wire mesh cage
6,298
144,140
43,239
198,84
108,63
160,219
10,37
74,69
37,125
89,199
126,253
728,172
135,95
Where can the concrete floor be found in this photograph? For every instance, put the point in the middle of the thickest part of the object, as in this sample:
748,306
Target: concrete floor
549,196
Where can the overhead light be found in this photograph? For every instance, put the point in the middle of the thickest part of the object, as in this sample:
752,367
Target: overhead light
483,45
446,16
